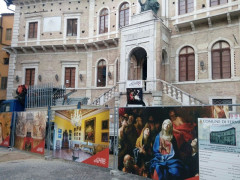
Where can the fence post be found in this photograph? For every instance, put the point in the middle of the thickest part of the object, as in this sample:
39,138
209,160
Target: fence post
115,139
49,131
13,130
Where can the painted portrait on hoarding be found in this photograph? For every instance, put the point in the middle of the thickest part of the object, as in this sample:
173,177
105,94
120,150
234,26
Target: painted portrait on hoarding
5,123
30,131
161,142
83,136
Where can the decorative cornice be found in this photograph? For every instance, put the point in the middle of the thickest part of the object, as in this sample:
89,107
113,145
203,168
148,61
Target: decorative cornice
98,45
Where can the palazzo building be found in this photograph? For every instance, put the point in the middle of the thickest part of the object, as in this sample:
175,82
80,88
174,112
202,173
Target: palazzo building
6,25
186,52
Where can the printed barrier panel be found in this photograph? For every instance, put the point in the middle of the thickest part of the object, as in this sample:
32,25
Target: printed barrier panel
219,148
162,142
30,131
5,124
82,135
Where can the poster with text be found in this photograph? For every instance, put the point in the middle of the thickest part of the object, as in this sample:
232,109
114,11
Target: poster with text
5,124
82,135
30,131
162,142
219,148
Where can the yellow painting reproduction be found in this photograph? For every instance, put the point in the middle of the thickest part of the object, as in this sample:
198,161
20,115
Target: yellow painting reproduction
5,123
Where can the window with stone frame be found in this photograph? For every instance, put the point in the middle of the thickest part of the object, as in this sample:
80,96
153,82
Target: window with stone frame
223,101
124,14
187,64
70,77
185,6
221,60
30,76
101,73
6,61
217,2
32,31
8,34
103,21
4,83
71,27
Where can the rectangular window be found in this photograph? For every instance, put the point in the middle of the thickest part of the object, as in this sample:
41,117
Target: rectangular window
185,6
9,34
32,32
217,2
6,61
70,77
29,77
4,83
223,101
72,27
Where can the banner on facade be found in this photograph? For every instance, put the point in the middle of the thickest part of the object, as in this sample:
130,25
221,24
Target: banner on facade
219,146
30,131
82,135
5,124
162,142
134,84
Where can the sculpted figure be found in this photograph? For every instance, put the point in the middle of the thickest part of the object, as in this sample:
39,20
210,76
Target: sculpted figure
149,5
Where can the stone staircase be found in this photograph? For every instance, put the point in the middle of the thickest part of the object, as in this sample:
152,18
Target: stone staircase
168,89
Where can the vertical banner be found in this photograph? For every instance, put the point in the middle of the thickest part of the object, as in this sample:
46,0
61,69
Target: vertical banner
219,148
134,92
5,124
82,135
161,142
30,131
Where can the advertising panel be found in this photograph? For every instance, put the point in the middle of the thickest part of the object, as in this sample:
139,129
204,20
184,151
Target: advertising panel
30,131
82,135
5,124
161,142
219,148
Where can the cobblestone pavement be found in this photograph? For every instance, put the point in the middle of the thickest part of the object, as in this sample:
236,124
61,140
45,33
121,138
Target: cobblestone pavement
19,165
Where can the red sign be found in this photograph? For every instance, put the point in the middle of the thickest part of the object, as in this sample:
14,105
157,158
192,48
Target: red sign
100,159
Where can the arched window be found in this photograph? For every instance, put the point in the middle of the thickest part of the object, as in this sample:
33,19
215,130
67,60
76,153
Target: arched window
217,2
185,6
101,73
124,15
103,21
187,64
221,60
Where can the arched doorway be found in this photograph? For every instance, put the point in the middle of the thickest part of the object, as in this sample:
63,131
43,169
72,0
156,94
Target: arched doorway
137,64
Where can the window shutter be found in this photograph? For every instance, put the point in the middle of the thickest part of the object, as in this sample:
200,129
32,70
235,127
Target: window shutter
182,68
67,77
226,64
70,77
191,68
35,29
30,77
216,68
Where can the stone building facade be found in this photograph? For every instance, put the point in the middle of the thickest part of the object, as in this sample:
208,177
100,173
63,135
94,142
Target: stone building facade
186,53
6,25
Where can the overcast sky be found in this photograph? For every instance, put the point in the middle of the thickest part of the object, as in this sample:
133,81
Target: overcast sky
3,7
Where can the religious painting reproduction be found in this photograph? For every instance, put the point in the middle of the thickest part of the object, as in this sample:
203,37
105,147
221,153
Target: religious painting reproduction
30,131
5,123
90,130
162,142
135,96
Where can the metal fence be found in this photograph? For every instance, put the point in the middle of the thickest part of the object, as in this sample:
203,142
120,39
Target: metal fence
43,95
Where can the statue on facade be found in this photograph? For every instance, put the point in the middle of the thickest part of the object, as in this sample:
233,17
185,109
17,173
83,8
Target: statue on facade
149,5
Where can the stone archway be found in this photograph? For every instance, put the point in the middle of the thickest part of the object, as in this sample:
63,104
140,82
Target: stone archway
137,68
